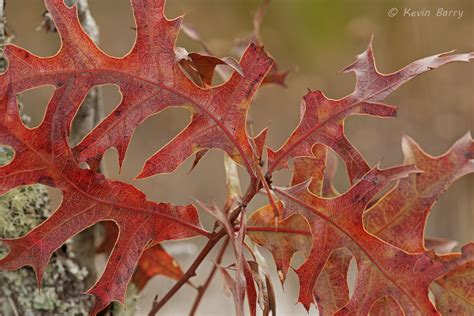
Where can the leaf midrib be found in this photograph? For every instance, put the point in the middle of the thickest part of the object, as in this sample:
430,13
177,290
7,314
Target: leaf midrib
116,205
200,106
342,230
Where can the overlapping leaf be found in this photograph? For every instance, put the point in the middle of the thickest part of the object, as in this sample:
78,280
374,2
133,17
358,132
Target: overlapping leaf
283,238
150,80
394,268
153,261
322,119
286,237
406,205
383,269
400,216
42,155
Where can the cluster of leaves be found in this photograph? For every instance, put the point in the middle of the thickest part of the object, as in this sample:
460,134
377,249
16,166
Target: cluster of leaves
384,235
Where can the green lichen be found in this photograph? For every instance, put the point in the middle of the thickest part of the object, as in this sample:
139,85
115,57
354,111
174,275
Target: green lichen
63,283
6,154
21,210
131,300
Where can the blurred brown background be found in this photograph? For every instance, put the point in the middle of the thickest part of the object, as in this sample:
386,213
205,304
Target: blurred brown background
313,39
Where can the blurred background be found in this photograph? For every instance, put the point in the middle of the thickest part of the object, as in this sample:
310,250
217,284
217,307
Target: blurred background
312,39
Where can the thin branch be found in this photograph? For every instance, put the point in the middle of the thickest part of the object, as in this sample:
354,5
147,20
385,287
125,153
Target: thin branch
266,186
189,273
202,289
213,240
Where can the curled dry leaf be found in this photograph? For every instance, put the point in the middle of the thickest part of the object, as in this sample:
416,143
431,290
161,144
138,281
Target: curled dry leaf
243,282
233,288
233,190
201,67
266,296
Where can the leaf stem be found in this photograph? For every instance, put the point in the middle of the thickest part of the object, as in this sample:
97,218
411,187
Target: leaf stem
213,240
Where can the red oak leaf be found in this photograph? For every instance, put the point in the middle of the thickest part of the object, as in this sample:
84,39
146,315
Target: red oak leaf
283,238
153,261
383,270
322,119
42,155
399,217
150,80
454,294
395,270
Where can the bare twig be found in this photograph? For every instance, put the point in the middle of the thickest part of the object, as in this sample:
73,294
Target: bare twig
202,289
213,240
265,180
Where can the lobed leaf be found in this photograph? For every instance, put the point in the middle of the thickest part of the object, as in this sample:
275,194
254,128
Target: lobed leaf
383,269
153,261
42,155
322,119
400,216
150,80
